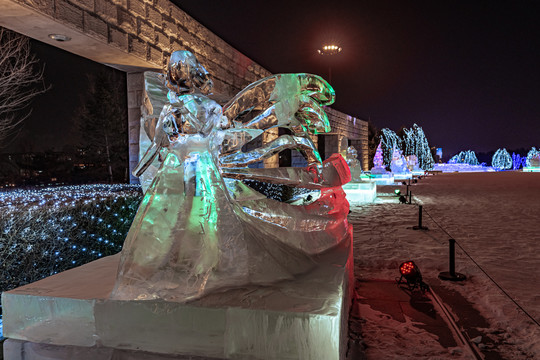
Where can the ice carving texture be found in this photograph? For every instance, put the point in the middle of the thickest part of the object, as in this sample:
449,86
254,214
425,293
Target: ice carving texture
398,164
354,164
200,228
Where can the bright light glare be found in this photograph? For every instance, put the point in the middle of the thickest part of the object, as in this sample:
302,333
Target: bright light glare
330,49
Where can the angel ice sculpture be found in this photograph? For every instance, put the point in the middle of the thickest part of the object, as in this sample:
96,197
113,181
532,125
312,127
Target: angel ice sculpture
200,228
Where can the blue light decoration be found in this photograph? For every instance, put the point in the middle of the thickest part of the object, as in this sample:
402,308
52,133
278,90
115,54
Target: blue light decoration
464,157
501,160
389,142
465,161
532,161
532,154
417,144
518,161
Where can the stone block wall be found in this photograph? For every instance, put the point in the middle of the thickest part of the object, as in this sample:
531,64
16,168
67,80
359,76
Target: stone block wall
356,131
150,30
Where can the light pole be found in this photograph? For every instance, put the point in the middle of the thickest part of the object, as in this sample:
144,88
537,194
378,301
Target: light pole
329,50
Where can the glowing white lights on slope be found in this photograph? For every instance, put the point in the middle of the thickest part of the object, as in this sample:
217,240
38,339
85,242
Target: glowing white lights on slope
56,226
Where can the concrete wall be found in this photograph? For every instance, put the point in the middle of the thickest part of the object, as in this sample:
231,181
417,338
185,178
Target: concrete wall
137,35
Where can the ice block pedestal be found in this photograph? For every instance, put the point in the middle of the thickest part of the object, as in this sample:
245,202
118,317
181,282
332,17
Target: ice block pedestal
71,313
358,192
382,179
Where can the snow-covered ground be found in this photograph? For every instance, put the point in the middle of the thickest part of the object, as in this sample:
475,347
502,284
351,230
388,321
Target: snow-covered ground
495,217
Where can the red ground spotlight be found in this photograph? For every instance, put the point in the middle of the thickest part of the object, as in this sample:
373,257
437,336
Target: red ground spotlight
411,273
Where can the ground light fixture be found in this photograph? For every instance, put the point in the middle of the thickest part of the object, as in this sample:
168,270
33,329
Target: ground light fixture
397,192
410,274
59,37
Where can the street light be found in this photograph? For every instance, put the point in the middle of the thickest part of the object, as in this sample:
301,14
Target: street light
329,50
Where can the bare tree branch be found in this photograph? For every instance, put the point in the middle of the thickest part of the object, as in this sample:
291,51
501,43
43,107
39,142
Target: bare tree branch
21,80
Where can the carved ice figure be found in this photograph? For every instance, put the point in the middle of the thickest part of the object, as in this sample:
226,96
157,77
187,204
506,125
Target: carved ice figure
200,227
354,164
412,163
378,162
398,164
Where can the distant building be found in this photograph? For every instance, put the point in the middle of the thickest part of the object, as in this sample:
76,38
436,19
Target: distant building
438,154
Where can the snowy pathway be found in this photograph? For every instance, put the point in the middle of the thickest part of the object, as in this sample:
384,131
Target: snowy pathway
494,216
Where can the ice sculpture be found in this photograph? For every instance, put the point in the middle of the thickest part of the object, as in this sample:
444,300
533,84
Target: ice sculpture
378,162
360,189
398,164
379,174
412,165
354,164
200,227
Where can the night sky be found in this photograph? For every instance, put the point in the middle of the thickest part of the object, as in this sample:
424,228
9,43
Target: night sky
468,72
50,125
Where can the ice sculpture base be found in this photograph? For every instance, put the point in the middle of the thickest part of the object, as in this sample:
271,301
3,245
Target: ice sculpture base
360,191
531,169
402,176
25,350
301,319
382,179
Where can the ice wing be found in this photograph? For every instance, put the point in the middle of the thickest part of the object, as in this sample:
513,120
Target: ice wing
150,143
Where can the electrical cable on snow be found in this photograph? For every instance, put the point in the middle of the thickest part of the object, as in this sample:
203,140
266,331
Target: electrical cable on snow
480,267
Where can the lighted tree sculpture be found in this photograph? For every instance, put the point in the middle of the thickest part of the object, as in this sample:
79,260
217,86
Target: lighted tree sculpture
533,157
389,142
378,160
518,161
417,144
501,160
464,157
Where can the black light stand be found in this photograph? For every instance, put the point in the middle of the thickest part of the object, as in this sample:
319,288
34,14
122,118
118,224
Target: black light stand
452,275
420,227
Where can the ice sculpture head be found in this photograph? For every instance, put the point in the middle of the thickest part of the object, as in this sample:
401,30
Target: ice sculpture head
351,153
186,75
189,112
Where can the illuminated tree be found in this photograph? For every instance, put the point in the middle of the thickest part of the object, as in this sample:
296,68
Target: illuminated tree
389,142
20,81
464,157
416,144
501,160
518,161
378,160
533,153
